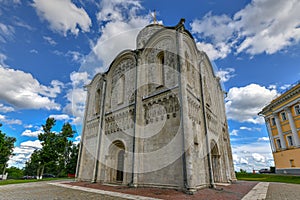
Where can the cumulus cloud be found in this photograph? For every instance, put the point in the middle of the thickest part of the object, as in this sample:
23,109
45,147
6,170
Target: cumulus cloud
243,103
6,120
121,24
225,74
251,156
23,153
76,96
214,51
60,117
262,26
63,16
31,133
28,93
5,109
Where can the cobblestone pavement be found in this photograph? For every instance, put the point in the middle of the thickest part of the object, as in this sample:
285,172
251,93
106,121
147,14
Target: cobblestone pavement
45,191
283,191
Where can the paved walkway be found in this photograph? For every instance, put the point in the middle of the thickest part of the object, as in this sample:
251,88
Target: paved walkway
259,192
59,191
44,191
104,192
283,191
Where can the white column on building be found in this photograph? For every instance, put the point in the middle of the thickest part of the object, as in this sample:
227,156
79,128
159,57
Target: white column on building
270,135
293,127
278,125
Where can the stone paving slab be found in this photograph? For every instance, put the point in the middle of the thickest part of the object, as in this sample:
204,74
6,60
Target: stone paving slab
283,191
259,192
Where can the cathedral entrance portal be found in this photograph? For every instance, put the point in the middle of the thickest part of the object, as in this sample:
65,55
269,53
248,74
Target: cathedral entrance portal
117,157
215,158
120,166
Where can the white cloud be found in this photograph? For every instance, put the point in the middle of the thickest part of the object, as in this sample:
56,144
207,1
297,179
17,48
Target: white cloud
258,157
261,26
225,74
217,28
78,79
245,128
31,133
28,93
23,153
234,132
263,139
76,96
50,40
77,140
60,117
251,156
214,51
244,103
34,51
4,119
63,16
6,109
121,24
6,32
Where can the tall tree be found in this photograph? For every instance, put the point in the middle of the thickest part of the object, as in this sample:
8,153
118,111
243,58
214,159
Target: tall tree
48,154
6,149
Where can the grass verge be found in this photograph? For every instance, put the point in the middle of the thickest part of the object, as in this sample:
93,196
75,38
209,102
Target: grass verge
268,178
16,181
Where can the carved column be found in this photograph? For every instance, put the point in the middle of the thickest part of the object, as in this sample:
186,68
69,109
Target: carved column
293,127
278,125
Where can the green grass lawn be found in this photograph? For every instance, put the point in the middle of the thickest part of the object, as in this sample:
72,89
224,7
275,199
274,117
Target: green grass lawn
15,181
268,178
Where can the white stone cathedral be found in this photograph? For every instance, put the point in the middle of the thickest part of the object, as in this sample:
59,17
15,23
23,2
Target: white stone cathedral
156,117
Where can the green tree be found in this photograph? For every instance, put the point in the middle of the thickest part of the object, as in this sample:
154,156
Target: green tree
6,149
48,154
15,173
72,162
56,153
32,166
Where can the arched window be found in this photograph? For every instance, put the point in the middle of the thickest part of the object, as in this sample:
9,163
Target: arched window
160,68
97,102
121,89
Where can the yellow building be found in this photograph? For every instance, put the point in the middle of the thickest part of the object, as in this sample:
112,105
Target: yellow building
282,118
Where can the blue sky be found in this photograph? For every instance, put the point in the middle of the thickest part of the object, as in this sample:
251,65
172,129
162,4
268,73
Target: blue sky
50,49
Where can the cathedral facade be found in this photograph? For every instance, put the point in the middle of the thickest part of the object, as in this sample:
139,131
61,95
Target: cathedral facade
157,117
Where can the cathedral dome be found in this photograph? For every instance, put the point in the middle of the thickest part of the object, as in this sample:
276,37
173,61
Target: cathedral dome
146,33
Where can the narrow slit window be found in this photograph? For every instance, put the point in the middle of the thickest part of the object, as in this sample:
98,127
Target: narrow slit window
160,68
121,89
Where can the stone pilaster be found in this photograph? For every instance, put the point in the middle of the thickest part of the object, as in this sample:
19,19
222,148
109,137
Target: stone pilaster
293,127
278,125
270,135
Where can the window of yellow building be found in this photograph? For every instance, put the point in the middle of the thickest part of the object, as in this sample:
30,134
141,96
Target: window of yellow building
297,109
273,121
283,116
278,144
292,163
290,140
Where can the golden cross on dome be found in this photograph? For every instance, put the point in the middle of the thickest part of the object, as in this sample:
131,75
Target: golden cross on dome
154,17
